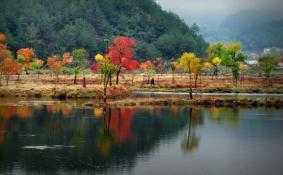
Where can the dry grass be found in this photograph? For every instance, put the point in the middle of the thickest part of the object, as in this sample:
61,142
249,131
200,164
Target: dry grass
47,86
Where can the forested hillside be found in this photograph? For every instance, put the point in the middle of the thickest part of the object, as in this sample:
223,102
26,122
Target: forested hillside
55,26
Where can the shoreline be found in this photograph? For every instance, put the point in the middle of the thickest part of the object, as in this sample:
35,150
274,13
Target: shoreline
206,102
120,96
154,102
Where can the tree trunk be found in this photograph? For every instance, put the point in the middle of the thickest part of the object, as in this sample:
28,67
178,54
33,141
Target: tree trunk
7,80
215,71
269,82
18,78
236,80
84,82
191,89
118,73
105,83
104,94
196,79
173,78
133,76
75,79
57,78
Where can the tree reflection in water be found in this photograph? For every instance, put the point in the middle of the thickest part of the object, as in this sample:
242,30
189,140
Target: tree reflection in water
231,116
191,142
96,139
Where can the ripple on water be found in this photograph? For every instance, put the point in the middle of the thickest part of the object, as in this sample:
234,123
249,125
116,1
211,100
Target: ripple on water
44,147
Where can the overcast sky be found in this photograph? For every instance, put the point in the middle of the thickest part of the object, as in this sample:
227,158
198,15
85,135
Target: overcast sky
214,11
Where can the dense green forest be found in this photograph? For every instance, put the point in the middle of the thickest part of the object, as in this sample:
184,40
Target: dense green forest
56,26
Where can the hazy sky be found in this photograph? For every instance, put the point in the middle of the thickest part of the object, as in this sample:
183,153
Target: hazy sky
214,11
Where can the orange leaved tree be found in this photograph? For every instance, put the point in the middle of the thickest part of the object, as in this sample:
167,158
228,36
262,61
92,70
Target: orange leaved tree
56,63
9,67
24,57
4,55
147,67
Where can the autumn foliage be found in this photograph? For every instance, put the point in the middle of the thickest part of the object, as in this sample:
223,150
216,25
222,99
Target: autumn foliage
26,53
10,67
147,66
120,123
121,49
121,53
4,53
56,63
2,41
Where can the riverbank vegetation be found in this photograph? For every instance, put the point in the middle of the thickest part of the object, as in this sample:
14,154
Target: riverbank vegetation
116,73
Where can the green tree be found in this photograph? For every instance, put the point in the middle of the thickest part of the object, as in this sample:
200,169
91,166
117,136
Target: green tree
80,61
215,52
232,57
267,64
106,69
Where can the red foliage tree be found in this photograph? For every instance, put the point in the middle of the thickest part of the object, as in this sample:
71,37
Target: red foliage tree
131,66
95,68
121,51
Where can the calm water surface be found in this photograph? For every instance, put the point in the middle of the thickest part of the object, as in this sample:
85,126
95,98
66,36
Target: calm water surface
64,138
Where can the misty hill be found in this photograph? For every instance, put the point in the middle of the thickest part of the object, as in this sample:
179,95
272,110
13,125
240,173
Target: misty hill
245,19
55,26
253,28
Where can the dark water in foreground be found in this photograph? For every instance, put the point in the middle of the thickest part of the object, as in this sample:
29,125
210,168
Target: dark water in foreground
57,138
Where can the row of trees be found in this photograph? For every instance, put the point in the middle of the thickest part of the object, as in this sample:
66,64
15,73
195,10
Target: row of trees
118,57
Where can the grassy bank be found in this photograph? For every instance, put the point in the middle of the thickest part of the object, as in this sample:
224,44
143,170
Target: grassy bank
212,101
62,91
46,86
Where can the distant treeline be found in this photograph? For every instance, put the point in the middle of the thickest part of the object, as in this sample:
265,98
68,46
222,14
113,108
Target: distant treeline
55,26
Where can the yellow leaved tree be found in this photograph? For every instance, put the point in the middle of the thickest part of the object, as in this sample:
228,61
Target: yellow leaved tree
191,64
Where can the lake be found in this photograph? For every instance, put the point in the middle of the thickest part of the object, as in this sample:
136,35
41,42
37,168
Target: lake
65,138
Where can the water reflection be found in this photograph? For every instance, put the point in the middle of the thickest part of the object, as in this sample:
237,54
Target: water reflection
80,139
229,115
191,141
62,137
